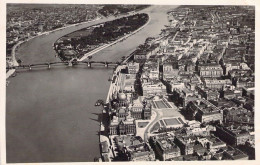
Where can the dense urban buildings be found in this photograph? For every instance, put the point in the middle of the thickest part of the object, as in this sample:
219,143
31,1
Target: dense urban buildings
186,94
197,77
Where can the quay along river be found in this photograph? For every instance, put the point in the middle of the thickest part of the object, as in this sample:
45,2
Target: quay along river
50,113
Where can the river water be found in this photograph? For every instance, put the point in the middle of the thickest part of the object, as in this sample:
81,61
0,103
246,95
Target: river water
50,113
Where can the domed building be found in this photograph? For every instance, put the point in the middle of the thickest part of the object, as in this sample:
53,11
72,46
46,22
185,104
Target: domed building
120,100
122,121
125,110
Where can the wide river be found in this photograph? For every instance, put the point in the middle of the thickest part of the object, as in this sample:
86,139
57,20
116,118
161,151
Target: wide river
50,113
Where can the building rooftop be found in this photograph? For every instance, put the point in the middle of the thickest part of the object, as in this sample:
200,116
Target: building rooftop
235,153
128,140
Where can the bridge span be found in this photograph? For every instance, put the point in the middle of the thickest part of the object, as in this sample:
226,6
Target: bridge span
68,63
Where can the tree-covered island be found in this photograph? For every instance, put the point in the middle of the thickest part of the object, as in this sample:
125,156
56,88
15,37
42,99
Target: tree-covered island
78,43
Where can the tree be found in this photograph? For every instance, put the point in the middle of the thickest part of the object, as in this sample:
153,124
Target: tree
19,61
89,58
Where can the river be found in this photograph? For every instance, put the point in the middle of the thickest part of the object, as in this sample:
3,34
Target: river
50,113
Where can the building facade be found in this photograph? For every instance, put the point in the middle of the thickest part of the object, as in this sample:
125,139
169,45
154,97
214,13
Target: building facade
232,137
210,70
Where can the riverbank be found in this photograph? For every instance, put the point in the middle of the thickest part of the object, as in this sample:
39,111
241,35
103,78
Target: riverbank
112,43
10,73
102,138
14,62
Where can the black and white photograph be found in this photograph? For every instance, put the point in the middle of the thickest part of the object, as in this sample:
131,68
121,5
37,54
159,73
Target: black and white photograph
115,82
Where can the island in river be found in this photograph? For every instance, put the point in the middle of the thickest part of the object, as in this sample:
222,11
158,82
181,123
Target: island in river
83,41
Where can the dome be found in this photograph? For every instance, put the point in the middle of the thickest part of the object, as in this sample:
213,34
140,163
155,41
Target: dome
121,96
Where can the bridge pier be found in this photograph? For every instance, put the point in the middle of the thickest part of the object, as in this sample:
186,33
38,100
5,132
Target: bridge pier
89,64
70,63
